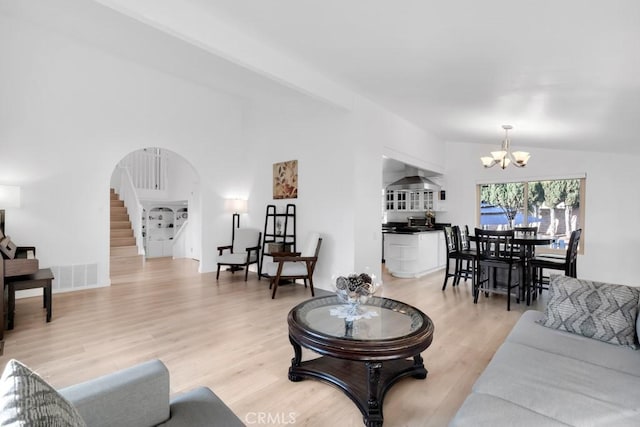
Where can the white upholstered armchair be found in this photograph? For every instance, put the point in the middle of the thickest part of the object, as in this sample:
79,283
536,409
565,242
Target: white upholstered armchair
242,252
292,266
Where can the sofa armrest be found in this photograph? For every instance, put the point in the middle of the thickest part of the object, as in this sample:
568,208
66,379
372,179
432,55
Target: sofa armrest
135,396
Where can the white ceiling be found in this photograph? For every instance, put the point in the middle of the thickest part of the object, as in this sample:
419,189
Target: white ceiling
564,73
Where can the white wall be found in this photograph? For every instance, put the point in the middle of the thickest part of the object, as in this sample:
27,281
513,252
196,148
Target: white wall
610,242
315,136
340,175
71,111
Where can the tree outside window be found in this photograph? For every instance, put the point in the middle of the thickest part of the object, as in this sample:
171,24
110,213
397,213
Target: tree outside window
554,206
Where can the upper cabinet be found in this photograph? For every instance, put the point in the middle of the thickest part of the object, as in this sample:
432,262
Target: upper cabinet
410,201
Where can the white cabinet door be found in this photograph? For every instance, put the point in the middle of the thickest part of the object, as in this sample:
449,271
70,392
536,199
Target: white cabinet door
167,248
390,200
155,248
412,255
428,251
442,250
402,200
410,201
401,254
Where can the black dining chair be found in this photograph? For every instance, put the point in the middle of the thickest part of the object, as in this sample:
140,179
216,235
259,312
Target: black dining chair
525,232
569,264
526,253
495,252
452,255
465,255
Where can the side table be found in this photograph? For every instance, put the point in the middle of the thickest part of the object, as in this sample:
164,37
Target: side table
40,279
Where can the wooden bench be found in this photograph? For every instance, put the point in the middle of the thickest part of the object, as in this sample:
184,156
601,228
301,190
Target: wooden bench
40,279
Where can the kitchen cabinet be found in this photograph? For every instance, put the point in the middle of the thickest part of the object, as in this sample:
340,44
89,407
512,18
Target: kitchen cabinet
159,248
410,200
442,250
414,254
390,200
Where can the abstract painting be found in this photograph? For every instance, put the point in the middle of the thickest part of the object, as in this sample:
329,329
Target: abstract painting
285,180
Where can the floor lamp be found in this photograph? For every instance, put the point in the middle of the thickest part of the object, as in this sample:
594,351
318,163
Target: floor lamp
236,207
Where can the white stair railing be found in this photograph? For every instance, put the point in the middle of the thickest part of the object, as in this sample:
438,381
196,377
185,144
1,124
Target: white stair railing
148,168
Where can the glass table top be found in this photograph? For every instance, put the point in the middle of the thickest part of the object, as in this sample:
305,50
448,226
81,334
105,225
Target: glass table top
378,319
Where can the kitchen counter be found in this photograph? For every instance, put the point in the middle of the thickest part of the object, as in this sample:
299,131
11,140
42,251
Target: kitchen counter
412,253
409,231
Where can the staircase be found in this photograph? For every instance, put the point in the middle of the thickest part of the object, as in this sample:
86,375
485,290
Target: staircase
123,243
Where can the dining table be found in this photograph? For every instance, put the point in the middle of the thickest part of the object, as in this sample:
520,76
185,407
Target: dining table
527,245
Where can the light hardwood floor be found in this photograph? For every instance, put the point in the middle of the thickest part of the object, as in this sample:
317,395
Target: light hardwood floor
232,337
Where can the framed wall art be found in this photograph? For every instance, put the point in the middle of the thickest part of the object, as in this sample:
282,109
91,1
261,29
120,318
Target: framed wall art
285,180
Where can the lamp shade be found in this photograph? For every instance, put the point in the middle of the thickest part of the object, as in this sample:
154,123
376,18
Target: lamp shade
235,206
521,157
9,196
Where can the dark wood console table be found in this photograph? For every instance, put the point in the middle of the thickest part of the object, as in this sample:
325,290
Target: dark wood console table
19,265
42,278
363,356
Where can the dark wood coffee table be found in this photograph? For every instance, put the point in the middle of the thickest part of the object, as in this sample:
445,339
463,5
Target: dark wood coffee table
363,357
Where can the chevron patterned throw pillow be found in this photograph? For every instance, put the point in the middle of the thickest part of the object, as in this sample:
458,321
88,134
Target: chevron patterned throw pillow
26,400
601,311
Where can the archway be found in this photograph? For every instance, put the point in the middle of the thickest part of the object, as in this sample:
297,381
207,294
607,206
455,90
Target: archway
155,209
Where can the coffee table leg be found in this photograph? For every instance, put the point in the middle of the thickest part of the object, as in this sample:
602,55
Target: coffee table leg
418,363
295,362
374,410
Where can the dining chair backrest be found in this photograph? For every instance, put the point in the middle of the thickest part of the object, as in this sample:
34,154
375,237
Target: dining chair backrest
572,253
530,251
449,239
312,247
245,238
494,245
463,238
525,231
466,230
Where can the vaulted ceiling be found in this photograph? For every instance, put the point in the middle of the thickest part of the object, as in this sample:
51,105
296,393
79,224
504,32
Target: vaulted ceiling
564,73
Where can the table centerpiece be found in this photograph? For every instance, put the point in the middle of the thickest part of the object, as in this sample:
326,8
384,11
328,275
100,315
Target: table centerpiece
355,290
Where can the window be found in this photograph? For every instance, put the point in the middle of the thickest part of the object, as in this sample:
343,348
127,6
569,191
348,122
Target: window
555,206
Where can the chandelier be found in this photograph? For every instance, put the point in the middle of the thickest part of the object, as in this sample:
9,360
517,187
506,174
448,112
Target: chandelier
505,156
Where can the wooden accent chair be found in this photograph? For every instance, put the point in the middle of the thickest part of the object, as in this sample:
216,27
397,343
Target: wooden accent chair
293,266
243,251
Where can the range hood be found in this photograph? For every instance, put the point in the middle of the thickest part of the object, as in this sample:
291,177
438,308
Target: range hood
415,182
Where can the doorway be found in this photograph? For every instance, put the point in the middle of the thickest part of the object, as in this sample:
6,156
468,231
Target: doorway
155,209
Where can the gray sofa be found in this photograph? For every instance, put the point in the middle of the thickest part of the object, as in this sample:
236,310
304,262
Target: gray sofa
548,377
139,396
